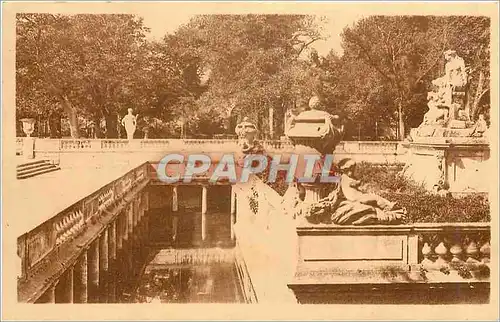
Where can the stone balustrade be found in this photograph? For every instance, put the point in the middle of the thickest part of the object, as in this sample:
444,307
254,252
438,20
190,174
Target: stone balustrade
375,151
49,236
69,226
80,144
449,246
433,246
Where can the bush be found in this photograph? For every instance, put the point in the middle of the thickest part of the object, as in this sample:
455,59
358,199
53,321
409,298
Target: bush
422,206
378,178
432,208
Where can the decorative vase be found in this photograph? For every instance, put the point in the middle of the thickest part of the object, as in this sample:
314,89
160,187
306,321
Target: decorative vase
28,126
28,142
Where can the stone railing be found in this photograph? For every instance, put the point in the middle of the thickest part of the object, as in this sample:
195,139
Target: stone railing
440,249
444,244
63,145
278,145
46,238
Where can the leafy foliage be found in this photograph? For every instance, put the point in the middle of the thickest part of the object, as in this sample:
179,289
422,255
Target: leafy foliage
217,69
399,55
422,206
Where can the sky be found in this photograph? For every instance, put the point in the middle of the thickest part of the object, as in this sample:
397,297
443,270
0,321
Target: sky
333,27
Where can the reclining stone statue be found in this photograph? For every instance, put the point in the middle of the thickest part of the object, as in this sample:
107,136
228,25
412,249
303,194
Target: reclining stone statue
348,205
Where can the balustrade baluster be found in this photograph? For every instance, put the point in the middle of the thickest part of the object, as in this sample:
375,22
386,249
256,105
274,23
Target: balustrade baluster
66,229
73,226
81,219
441,251
472,252
456,251
485,252
58,229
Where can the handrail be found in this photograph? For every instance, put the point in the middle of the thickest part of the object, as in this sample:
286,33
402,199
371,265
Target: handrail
85,143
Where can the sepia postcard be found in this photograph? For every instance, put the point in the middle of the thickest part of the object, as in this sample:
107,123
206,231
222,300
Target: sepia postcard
267,160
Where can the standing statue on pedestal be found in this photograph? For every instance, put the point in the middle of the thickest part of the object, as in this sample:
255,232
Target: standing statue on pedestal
455,76
448,114
129,121
455,69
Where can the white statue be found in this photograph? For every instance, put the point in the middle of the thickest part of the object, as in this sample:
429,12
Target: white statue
129,121
455,69
437,111
455,76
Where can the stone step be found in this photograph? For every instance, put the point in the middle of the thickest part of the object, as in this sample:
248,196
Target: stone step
38,172
31,163
33,166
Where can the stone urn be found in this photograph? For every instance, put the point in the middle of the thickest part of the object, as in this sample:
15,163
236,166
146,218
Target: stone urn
28,142
28,126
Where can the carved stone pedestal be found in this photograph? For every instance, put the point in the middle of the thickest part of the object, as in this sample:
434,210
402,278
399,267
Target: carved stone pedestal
28,148
458,165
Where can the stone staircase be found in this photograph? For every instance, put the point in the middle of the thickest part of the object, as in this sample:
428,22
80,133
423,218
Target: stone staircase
35,168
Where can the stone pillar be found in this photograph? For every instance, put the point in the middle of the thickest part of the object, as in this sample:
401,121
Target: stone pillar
175,209
103,265
142,213
64,288
112,241
29,148
135,211
119,232
129,242
130,218
49,296
80,279
112,263
93,272
233,212
204,193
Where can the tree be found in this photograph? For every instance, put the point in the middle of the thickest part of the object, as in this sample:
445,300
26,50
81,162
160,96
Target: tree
87,63
406,52
253,61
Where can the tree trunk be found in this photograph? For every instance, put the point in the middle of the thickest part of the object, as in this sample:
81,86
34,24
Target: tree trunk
97,127
271,122
401,123
55,125
111,126
477,97
72,116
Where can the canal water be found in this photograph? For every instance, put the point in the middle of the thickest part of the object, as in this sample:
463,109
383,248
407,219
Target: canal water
204,275
180,266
